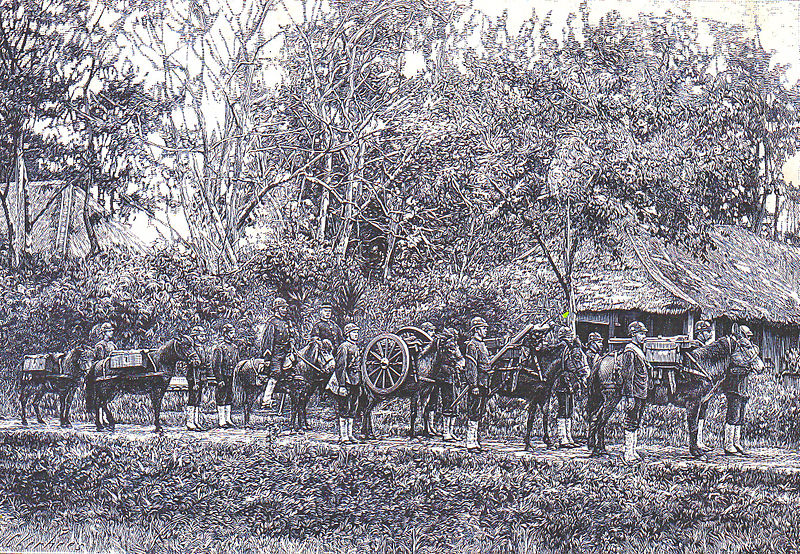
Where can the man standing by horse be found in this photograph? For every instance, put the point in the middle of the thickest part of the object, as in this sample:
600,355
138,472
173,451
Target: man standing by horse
326,328
224,359
564,388
276,347
736,388
346,382
105,345
196,372
704,335
636,371
477,373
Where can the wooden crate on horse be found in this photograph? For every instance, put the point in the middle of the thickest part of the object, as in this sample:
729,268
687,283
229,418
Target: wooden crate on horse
40,363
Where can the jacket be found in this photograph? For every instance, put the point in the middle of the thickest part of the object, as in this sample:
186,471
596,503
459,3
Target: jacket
224,358
477,363
635,369
348,364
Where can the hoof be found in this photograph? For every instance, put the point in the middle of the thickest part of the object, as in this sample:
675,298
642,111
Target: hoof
698,454
24,423
158,431
40,421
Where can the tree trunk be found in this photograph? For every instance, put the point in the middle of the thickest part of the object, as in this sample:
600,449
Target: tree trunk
568,263
326,200
20,215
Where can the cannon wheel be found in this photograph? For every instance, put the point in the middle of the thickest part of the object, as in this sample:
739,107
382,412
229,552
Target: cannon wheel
386,363
416,337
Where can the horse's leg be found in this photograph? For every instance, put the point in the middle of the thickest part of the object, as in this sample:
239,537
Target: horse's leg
369,403
36,399
412,430
692,416
610,401
529,427
111,422
594,401
24,393
544,404
68,407
156,396
62,408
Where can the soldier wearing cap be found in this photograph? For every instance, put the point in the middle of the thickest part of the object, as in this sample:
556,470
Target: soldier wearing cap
347,382
736,387
197,369
594,350
326,328
565,389
276,346
224,358
105,345
636,371
477,374
704,335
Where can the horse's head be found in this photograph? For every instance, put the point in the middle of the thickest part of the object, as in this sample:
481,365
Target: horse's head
75,362
183,347
575,365
448,353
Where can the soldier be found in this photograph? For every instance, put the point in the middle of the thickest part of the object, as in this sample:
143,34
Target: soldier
224,360
737,390
704,335
446,381
196,371
326,328
564,388
105,345
594,350
276,346
477,373
348,379
636,371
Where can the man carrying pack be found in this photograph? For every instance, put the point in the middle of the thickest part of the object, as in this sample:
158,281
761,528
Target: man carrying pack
477,374
635,370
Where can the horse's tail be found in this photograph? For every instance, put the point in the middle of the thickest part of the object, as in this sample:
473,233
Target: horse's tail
90,392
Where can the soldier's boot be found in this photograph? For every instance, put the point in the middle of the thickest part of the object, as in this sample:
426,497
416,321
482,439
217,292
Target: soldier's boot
429,421
190,424
563,441
221,416
470,441
701,424
447,430
228,420
266,401
729,448
343,431
570,438
350,437
631,456
198,418
737,440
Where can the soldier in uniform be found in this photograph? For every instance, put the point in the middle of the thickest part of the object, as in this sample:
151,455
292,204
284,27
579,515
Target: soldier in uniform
196,372
348,379
477,373
326,328
636,371
704,335
105,345
737,390
564,389
276,347
594,350
224,359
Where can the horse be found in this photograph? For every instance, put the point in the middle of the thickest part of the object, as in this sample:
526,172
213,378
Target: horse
309,371
700,380
103,384
567,359
64,384
443,350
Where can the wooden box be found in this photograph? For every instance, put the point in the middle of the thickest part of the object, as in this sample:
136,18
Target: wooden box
40,362
662,351
128,359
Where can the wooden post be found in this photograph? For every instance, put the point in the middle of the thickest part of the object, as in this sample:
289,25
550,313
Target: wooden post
690,324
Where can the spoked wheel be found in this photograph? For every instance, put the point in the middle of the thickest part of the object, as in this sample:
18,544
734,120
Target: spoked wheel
386,363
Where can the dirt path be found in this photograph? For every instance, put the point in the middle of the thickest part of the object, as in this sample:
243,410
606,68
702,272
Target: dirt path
774,459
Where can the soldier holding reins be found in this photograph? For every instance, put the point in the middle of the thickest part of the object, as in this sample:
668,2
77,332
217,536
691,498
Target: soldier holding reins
477,374
704,335
736,387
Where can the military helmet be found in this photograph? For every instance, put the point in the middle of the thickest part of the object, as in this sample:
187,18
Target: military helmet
349,328
595,336
637,327
701,326
428,327
477,322
326,304
744,331
564,333
107,326
279,302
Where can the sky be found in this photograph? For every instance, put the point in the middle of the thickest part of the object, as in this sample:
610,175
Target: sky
779,21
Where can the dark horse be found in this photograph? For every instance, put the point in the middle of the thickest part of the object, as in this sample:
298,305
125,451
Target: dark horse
310,369
442,351
694,386
554,361
64,384
103,384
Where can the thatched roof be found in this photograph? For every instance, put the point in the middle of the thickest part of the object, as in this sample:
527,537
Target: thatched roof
743,277
60,229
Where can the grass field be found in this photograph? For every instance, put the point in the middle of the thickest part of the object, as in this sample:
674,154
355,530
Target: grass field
167,495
